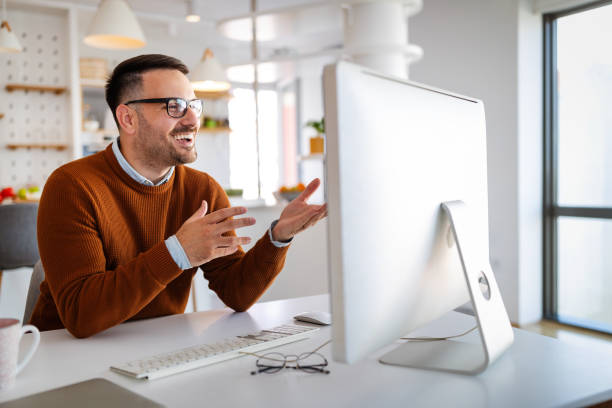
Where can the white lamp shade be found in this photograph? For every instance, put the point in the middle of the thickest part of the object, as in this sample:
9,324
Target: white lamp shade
114,27
8,39
193,11
209,76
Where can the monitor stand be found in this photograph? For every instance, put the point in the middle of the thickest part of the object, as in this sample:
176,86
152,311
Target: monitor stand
493,323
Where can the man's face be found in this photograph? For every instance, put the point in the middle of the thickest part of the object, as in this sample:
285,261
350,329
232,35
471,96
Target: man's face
162,140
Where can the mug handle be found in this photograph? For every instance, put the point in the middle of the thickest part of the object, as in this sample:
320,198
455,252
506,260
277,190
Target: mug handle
33,347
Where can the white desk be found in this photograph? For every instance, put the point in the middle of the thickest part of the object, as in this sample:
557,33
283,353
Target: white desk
537,371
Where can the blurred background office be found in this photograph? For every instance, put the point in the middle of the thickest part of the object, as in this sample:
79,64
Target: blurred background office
540,66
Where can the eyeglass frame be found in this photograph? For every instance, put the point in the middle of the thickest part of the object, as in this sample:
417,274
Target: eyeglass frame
269,369
167,100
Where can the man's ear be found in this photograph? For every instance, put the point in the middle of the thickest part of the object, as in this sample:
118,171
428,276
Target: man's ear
128,120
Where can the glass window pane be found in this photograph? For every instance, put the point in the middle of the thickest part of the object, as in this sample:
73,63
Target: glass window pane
269,144
585,270
584,63
243,146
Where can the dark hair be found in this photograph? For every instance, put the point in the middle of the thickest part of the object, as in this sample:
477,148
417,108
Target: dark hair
127,76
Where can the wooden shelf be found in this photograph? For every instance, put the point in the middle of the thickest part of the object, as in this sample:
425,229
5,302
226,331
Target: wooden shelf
315,156
93,83
24,200
218,129
22,87
37,146
213,95
104,132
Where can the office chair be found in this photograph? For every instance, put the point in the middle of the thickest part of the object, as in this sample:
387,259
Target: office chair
38,275
18,244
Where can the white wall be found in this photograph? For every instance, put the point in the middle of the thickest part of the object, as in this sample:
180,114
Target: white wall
491,50
530,159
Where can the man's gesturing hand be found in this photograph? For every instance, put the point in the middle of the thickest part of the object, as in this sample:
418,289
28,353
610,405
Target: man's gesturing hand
299,215
201,236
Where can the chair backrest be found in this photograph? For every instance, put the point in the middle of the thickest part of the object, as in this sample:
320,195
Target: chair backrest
38,275
18,244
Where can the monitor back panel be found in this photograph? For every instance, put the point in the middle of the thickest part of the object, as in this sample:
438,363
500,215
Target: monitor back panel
396,150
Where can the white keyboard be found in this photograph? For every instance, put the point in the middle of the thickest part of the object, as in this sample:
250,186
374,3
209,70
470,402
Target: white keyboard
189,358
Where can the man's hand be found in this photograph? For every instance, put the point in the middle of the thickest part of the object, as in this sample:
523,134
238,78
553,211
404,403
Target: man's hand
298,215
201,235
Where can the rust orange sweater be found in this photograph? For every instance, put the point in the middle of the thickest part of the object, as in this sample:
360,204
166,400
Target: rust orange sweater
101,240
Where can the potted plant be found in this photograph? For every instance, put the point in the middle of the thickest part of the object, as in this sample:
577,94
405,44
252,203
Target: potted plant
317,144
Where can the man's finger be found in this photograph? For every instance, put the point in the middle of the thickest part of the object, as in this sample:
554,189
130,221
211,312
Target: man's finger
224,251
200,212
236,223
233,241
224,213
310,188
300,219
314,219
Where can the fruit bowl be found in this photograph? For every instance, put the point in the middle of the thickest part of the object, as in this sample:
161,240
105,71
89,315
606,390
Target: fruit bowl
234,192
286,195
289,193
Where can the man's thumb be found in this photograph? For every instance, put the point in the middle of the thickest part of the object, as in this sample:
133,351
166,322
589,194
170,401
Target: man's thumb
203,209
201,212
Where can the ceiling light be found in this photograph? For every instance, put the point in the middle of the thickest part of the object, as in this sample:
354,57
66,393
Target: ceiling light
193,11
8,39
208,75
114,27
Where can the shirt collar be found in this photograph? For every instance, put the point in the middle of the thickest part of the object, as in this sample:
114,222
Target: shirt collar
132,172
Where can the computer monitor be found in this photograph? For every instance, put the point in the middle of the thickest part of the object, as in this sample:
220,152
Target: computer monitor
395,151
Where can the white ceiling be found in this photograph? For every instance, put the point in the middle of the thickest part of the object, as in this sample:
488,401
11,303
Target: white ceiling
214,9
157,17
166,31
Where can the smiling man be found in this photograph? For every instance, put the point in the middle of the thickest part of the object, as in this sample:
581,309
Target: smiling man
122,233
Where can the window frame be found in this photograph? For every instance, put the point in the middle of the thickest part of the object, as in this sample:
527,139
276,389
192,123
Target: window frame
551,210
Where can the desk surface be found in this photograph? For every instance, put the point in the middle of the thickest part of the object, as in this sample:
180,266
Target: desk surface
537,371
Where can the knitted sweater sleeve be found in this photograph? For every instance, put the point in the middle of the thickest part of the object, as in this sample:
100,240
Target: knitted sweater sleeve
241,278
89,298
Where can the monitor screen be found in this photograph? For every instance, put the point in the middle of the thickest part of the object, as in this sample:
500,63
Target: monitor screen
396,150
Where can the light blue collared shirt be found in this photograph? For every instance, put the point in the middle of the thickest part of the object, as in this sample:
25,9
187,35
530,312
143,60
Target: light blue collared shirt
172,243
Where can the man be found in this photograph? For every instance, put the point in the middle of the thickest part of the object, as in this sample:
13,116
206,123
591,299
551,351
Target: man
121,233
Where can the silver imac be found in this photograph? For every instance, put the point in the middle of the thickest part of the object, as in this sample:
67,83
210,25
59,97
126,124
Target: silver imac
406,187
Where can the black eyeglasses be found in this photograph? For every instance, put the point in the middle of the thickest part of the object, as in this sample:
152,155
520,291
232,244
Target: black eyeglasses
310,362
176,107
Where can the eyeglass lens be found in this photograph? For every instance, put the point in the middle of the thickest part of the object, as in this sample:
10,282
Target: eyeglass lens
312,363
270,363
177,107
308,362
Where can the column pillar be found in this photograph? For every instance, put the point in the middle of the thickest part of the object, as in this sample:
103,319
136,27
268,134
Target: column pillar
376,35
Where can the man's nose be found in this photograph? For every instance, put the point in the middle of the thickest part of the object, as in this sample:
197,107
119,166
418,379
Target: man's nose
191,118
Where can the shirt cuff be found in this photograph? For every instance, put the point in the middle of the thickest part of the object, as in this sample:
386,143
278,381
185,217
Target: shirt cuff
177,252
278,244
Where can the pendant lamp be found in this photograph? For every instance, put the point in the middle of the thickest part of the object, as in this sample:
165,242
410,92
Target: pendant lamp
193,11
114,27
208,75
8,39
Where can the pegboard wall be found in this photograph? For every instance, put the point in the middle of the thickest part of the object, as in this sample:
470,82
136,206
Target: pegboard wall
33,117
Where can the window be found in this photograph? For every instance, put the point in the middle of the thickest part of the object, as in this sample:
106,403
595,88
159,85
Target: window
244,153
578,166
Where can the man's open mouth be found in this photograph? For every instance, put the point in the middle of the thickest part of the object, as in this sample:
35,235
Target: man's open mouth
185,139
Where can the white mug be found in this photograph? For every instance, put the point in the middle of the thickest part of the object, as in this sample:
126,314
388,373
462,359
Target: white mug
11,333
